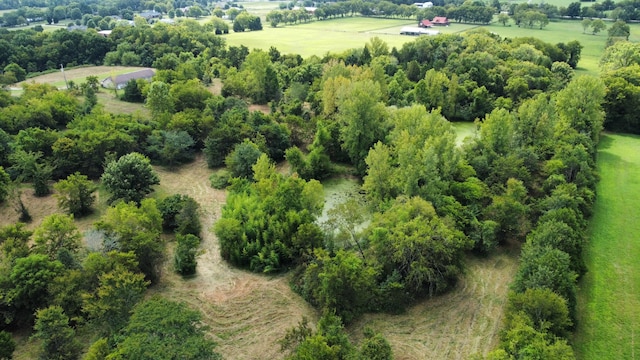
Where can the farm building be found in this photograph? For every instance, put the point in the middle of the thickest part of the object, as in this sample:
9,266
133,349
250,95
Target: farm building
440,20
425,23
415,31
120,81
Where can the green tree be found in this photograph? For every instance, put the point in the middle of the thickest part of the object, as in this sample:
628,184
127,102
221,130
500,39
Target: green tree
375,346
30,167
56,232
503,19
130,178
128,227
159,100
5,183
170,147
586,23
58,338
111,302
185,254
547,268
240,161
17,71
547,310
30,277
75,194
411,239
597,25
363,116
161,328
7,345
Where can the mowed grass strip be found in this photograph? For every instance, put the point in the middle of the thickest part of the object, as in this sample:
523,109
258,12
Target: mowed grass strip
608,324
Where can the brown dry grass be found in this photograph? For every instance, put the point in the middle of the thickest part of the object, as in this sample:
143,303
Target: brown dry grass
248,313
465,321
79,75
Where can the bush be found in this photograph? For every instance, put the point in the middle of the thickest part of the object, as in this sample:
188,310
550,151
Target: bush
185,255
220,180
180,214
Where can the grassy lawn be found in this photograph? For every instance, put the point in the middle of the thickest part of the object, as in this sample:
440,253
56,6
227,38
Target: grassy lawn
321,37
609,297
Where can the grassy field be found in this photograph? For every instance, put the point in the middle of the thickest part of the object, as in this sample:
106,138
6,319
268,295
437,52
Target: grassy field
338,35
321,37
609,297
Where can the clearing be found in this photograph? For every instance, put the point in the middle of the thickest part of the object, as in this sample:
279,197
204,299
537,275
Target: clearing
609,296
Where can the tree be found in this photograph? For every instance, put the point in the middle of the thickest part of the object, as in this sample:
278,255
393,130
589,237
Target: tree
31,277
547,310
161,328
159,100
620,55
128,227
185,254
130,178
620,30
240,161
5,183
17,71
56,232
58,338
132,92
75,194
411,239
503,19
30,167
597,25
586,23
117,293
364,116
7,345
170,147
375,346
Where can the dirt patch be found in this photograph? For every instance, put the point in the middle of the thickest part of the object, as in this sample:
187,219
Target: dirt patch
262,108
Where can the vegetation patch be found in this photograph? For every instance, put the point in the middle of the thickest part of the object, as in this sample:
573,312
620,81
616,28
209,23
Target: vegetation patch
608,300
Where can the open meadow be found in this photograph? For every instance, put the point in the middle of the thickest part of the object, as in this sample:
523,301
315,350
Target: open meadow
608,325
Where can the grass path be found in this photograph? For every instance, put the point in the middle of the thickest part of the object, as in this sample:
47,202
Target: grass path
609,301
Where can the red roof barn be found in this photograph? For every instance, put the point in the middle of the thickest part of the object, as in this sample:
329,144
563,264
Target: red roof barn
425,23
440,20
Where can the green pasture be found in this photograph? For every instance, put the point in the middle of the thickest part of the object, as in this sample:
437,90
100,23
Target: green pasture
321,37
609,296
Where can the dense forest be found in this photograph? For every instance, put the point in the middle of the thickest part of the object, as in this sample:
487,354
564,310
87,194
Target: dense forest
383,115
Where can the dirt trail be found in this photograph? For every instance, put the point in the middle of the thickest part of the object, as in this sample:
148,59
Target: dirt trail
248,313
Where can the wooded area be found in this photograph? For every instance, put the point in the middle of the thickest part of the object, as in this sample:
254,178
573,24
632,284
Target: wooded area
382,115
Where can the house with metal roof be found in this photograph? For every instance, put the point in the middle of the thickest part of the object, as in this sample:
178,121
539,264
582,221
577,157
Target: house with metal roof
120,81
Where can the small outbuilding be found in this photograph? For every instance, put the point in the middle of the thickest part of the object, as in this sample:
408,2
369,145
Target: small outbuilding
120,81
425,23
415,31
440,21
